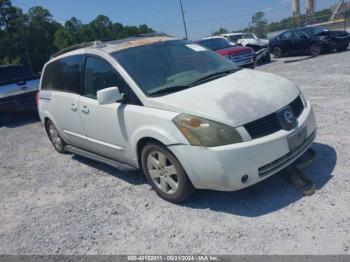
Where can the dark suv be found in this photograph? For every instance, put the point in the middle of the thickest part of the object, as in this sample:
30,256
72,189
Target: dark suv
308,40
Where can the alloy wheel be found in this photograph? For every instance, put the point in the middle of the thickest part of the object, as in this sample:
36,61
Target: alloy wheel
162,172
55,138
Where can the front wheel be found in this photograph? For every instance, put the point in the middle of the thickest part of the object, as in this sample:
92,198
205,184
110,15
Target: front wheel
165,173
315,49
267,58
277,52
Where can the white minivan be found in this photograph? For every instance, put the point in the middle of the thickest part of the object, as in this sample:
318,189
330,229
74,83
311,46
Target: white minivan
187,117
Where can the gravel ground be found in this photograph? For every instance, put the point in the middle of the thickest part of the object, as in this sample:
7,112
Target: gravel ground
65,204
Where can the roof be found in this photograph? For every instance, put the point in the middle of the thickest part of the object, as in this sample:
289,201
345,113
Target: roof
239,33
213,37
116,45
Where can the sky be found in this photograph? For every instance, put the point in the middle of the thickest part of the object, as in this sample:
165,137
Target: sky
202,16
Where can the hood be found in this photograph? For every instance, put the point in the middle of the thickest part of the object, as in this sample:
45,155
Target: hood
252,41
232,50
236,99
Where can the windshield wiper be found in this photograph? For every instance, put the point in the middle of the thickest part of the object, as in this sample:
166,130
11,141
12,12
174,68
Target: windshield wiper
213,76
170,89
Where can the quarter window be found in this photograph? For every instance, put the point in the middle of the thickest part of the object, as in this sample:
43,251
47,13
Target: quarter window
63,74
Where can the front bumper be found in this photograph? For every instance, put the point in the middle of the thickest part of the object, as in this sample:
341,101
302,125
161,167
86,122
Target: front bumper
221,168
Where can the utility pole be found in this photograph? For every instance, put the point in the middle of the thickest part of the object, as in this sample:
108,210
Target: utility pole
183,19
296,12
310,9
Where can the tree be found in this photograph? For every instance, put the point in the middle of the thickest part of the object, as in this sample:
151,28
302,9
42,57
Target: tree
13,31
259,22
41,32
220,31
30,39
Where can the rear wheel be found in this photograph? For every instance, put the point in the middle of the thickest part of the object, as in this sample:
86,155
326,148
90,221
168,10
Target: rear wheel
55,137
165,173
315,49
277,52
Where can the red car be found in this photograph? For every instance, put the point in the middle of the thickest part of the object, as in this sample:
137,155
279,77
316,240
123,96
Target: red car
242,56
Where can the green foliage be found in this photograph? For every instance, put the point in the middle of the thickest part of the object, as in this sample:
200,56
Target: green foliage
102,28
260,25
30,39
220,31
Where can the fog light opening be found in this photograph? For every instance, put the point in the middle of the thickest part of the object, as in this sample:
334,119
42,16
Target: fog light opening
244,178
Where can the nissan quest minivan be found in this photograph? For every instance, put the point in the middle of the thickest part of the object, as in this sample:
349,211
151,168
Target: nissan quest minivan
186,116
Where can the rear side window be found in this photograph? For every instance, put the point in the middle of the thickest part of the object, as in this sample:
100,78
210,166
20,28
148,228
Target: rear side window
63,74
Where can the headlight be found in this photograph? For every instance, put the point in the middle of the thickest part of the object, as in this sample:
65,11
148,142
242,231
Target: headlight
303,99
202,132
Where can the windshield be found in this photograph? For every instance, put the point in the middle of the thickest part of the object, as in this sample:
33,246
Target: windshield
168,65
314,30
235,38
215,43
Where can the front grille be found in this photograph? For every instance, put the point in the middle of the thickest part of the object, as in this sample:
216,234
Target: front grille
270,124
243,58
263,126
297,106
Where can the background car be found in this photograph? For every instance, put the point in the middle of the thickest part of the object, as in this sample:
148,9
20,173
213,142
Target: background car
242,56
18,87
251,40
308,40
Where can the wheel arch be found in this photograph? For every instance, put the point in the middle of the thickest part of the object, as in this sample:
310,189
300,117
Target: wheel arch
165,136
141,144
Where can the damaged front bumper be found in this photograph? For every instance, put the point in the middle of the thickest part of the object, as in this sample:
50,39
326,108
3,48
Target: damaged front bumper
223,168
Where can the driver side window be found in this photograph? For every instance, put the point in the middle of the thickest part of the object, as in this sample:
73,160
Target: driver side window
287,35
99,75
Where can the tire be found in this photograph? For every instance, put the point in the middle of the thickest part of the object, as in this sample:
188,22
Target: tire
277,52
267,58
315,49
165,174
55,137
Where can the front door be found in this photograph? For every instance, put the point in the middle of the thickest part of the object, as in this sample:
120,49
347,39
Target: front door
103,124
300,42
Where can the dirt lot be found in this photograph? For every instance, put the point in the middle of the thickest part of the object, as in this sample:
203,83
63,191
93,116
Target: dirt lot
65,204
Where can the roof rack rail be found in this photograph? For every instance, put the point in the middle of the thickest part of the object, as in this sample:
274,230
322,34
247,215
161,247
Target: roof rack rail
76,47
156,34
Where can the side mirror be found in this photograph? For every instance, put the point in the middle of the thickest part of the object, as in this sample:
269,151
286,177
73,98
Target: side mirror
110,95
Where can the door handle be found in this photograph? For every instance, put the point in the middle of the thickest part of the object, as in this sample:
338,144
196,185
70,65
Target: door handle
85,110
73,107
